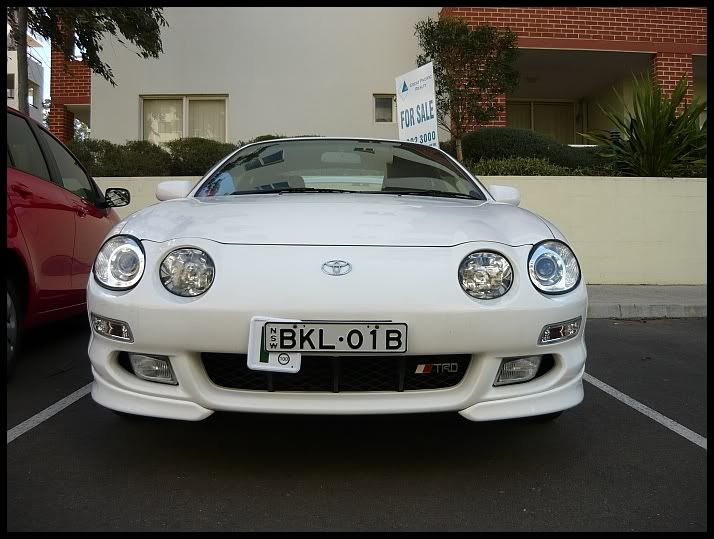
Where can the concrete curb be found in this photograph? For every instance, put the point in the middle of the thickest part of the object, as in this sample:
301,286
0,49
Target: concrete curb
629,310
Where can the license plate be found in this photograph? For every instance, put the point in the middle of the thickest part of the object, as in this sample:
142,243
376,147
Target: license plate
335,337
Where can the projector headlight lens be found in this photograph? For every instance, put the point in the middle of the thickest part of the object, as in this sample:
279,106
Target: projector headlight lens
120,263
553,268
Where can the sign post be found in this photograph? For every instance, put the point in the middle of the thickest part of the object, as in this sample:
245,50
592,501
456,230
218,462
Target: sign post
416,106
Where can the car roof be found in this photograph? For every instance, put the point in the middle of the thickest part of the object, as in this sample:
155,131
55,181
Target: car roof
19,113
26,116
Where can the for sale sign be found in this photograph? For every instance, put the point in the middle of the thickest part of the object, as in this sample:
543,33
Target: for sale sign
416,106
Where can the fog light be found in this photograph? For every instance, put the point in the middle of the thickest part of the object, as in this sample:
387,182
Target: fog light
562,331
112,329
153,368
517,370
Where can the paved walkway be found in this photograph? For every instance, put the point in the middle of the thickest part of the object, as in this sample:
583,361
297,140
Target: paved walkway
646,301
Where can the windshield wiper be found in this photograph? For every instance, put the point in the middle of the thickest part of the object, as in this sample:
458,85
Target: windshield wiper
433,193
291,190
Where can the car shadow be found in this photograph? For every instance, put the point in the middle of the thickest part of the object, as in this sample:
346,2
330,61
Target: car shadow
276,446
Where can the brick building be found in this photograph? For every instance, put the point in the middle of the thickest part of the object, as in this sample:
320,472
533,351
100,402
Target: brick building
70,94
210,81
567,53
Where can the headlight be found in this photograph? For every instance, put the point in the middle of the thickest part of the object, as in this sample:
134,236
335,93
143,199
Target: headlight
553,268
120,263
187,272
485,275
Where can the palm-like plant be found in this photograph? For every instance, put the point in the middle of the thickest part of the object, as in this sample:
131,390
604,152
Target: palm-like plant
655,139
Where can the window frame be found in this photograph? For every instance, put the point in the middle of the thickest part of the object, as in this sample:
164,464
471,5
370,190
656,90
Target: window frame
43,153
12,90
54,169
532,102
186,98
374,108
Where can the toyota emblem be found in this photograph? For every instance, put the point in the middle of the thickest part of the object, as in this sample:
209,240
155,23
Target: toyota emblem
336,267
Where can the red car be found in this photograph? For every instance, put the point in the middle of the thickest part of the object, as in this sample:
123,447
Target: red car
56,220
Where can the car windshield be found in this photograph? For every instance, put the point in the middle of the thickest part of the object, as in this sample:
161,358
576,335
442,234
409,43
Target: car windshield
330,165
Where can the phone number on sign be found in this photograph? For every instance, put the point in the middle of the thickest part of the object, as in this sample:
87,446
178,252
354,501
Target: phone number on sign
423,138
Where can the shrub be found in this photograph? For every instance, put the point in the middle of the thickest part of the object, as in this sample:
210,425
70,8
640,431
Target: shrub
140,158
135,158
94,154
449,147
194,156
503,142
182,157
655,139
693,171
524,166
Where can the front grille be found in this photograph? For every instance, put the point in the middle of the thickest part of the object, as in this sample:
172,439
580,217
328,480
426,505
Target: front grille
341,374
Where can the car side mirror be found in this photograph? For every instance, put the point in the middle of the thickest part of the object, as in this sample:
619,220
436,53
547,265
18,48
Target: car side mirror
115,197
174,189
504,193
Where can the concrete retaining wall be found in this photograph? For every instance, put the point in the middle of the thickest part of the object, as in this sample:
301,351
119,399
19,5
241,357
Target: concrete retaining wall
623,230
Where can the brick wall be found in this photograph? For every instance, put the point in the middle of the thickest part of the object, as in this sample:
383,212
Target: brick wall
669,67
671,34
675,26
61,122
70,84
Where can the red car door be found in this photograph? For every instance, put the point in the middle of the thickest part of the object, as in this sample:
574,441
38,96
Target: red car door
45,215
92,223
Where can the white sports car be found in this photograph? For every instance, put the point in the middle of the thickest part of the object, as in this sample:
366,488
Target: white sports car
337,276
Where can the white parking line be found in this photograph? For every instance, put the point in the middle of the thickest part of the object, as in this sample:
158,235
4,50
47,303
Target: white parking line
44,415
672,425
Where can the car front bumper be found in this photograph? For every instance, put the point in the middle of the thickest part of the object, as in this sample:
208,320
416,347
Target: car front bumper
441,319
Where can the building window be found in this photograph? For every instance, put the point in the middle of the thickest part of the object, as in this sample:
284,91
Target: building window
553,118
11,86
171,117
384,108
207,118
33,94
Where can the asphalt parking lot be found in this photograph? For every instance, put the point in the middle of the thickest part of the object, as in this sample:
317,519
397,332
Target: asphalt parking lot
602,466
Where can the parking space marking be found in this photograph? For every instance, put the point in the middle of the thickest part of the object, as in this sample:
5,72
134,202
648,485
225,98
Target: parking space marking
44,415
672,425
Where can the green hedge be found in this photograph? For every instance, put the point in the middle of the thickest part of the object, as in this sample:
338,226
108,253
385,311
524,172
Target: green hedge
95,155
135,158
182,157
449,147
530,166
195,156
533,166
491,153
503,142
142,158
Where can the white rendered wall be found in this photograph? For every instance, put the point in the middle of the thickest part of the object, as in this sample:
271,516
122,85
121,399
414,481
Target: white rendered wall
292,71
35,73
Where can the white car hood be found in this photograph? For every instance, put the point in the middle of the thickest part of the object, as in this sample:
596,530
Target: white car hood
337,219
